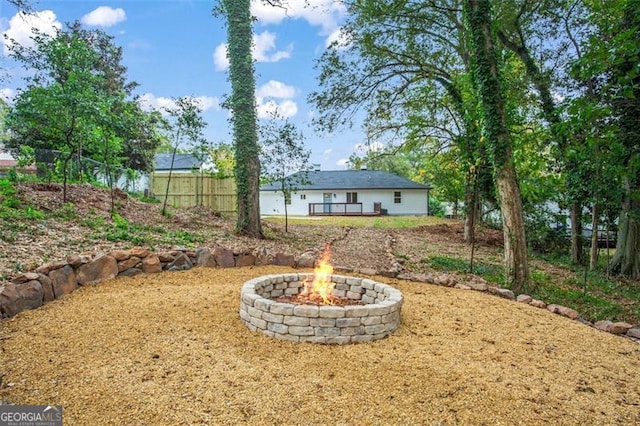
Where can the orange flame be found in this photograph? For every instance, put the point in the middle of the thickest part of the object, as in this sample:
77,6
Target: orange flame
321,286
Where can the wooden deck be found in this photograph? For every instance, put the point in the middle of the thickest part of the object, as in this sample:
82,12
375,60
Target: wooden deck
339,209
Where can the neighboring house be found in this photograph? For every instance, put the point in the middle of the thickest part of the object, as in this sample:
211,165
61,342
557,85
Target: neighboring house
182,163
7,162
348,192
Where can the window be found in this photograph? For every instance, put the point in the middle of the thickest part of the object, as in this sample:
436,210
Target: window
303,196
287,198
397,197
352,197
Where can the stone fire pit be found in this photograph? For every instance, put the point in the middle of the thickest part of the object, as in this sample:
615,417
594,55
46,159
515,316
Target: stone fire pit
377,316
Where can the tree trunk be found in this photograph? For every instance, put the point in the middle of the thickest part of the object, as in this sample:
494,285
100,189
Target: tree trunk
243,107
575,217
595,225
626,260
173,157
478,17
469,211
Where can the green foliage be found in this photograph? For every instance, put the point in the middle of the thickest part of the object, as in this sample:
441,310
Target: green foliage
12,210
436,208
75,104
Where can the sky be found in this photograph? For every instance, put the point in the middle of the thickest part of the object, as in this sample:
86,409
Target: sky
175,48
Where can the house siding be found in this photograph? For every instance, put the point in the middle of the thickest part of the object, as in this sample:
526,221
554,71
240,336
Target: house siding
414,201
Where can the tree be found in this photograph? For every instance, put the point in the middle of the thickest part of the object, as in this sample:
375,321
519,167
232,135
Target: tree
223,157
478,16
56,108
76,97
243,108
282,154
622,41
185,125
406,64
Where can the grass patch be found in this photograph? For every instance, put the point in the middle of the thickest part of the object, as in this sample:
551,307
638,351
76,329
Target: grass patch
379,222
488,271
13,212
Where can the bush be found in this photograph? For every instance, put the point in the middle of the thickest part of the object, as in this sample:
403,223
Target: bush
436,208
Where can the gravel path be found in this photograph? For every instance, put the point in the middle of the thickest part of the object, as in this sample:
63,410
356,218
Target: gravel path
170,349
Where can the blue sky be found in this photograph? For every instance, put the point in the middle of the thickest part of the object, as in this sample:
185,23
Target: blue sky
176,48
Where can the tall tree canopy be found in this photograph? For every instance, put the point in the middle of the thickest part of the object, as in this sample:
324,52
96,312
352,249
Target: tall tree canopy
78,102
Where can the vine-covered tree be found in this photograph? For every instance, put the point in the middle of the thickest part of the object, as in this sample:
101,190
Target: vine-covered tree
498,139
244,119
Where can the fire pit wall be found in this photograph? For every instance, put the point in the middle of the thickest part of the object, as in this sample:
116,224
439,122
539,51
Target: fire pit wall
378,317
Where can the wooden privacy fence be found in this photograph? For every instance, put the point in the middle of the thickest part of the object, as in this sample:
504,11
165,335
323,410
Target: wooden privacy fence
191,189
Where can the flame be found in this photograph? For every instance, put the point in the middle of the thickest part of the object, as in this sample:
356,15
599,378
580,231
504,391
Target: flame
321,286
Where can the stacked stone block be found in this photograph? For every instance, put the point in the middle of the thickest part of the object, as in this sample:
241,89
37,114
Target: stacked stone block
378,317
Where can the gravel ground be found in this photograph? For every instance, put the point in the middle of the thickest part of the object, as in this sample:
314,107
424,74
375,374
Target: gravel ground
170,349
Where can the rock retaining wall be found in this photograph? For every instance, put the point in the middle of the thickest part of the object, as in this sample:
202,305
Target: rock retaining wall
51,281
377,318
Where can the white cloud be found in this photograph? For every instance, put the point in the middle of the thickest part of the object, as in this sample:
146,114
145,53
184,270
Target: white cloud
208,102
340,38
284,109
326,14
275,89
22,26
266,98
7,95
263,50
220,60
342,162
149,101
104,16
328,151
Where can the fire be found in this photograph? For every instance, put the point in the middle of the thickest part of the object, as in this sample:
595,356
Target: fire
321,286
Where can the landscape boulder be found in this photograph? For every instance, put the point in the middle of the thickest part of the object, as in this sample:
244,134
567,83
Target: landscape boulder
180,263
16,298
47,288
307,259
151,264
564,311
245,260
224,257
204,258
100,269
63,281
283,259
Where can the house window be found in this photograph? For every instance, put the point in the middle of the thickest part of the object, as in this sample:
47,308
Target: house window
352,197
303,196
287,198
397,197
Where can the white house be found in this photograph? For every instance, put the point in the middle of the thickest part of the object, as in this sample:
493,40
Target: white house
347,192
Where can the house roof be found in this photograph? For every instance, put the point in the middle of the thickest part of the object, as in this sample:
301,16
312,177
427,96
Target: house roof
350,179
181,162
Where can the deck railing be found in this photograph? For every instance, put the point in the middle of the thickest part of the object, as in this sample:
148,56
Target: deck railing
335,209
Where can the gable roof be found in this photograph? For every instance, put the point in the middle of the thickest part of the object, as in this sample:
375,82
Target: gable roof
181,162
350,179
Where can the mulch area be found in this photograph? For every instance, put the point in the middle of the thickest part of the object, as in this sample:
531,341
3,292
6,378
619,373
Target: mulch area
170,348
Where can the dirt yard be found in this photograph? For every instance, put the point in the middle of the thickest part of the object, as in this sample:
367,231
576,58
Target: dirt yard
170,349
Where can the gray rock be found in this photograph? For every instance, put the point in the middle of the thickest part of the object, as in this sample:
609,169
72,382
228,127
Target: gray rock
182,262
